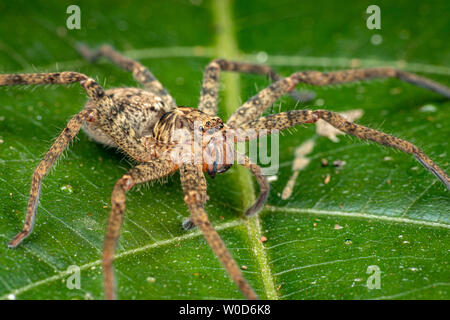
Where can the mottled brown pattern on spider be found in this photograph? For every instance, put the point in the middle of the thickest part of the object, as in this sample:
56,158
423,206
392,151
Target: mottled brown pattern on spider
141,108
140,73
194,187
145,172
142,123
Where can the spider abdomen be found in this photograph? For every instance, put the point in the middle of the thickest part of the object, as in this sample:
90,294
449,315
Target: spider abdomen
142,108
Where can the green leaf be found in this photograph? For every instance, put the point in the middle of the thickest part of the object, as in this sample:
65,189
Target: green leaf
380,209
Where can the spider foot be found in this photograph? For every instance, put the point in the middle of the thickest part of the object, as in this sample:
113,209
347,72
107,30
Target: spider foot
258,205
18,239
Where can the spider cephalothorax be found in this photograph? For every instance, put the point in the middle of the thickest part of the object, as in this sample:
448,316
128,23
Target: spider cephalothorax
195,137
147,125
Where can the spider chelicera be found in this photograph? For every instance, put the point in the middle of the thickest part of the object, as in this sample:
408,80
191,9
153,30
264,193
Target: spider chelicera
142,123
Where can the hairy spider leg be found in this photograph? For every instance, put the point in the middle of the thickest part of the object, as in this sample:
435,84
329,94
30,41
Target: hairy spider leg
251,109
288,119
194,186
140,73
71,130
210,85
263,183
142,173
264,189
60,144
105,114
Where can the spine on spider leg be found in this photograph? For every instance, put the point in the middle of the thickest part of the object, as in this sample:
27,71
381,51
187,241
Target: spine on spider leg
41,78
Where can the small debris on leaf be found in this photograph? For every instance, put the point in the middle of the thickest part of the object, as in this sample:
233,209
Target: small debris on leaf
88,296
325,129
339,164
428,108
67,188
299,163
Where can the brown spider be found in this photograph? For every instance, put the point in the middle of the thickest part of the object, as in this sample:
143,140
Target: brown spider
142,122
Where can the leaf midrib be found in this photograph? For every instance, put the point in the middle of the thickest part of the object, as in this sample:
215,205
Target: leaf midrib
227,47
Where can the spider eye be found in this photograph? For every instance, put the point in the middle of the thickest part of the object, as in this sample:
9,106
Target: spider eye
201,128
